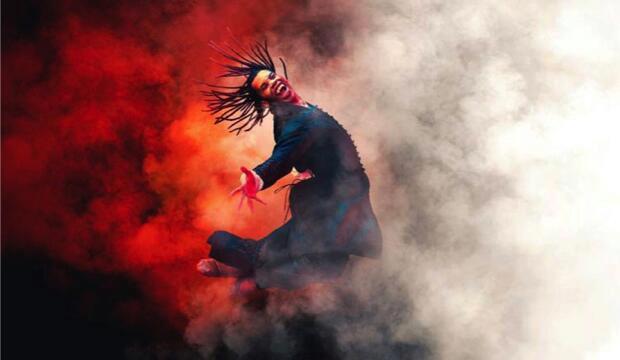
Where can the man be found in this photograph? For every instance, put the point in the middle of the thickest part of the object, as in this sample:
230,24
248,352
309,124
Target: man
331,214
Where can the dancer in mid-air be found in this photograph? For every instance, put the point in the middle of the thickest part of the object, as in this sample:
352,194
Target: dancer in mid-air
331,216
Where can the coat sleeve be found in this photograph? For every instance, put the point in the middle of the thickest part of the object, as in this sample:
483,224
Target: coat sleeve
290,147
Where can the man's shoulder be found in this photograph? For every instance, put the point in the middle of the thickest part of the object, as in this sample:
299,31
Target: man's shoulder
311,119
299,121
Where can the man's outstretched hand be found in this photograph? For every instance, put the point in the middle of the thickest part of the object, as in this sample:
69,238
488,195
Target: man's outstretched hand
250,186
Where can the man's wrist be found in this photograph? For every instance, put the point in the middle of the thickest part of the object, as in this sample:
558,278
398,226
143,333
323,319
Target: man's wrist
259,181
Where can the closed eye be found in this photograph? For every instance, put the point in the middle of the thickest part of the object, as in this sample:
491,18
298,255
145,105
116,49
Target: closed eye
272,76
263,86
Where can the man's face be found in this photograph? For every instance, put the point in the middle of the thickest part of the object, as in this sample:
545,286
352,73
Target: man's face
273,87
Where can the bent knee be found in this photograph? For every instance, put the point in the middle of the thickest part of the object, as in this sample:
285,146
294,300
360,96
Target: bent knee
219,238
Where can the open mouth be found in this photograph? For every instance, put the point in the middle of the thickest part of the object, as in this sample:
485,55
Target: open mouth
279,88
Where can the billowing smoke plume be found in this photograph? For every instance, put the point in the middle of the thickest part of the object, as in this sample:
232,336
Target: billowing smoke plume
488,131
489,134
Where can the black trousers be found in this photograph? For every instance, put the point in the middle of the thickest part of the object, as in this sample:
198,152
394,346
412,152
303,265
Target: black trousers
234,251
273,266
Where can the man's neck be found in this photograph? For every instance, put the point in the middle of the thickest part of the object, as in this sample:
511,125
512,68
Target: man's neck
298,101
286,108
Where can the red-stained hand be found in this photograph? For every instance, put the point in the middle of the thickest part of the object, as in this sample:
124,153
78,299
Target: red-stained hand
249,188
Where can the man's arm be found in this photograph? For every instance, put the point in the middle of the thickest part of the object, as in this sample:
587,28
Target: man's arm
292,145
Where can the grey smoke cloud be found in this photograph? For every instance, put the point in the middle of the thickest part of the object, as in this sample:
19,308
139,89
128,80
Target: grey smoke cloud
489,133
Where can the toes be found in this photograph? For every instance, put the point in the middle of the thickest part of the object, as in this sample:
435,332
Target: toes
206,267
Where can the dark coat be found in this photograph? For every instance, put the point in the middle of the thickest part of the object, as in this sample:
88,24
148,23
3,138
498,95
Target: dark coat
331,215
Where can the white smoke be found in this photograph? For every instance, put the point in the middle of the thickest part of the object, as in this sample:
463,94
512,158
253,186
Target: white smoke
492,134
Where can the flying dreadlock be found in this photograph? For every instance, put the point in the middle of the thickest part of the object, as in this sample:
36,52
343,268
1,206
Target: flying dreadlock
240,105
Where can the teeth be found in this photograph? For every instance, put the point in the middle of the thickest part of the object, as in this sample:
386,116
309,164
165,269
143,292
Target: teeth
280,87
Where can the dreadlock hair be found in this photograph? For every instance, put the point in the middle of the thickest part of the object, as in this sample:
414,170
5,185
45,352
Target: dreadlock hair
241,105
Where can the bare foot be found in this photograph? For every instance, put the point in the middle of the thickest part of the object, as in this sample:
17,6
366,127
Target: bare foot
212,267
207,267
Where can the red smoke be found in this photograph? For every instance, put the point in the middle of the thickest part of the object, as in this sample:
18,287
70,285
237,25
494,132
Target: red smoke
108,163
